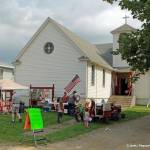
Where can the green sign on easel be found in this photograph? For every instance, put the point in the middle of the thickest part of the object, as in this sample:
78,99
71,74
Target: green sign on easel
36,120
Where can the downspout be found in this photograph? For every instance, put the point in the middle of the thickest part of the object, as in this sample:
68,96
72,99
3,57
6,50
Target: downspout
96,78
86,88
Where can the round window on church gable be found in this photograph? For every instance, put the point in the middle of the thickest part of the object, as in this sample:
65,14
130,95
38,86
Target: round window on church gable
49,47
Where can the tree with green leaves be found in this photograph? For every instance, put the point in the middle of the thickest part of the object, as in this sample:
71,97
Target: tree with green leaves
135,46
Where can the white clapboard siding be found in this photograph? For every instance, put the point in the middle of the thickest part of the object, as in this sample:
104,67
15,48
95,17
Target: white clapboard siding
91,88
98,90
8,74
103,91
142,87
41,69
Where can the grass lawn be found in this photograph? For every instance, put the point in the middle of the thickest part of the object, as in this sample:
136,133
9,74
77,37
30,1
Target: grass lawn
135,112
12,133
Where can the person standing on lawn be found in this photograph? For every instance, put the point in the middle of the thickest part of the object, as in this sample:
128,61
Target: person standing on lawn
21,108
65,98
60,110
71,103
79,112
15,108
92,110
86,118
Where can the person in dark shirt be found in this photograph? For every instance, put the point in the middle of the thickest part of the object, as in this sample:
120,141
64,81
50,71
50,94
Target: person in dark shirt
21,108
71,103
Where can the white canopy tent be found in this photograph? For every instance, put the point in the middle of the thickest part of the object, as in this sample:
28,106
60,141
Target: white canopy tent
11,85
6,91
8,86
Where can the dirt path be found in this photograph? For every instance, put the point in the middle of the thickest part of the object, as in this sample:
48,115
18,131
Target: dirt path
136,133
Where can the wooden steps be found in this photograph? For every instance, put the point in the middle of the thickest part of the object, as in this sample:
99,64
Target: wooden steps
124,101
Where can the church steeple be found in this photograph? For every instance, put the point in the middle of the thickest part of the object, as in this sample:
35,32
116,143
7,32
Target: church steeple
125,28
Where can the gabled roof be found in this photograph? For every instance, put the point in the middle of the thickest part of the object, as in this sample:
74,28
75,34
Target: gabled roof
105,51
4,65
123,28
88,49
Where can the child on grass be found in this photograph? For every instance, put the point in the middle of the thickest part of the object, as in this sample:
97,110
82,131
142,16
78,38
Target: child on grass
60,110
86,118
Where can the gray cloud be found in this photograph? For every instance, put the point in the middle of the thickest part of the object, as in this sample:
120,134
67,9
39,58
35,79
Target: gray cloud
92,20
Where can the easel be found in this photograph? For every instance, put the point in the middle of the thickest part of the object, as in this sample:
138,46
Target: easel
34,122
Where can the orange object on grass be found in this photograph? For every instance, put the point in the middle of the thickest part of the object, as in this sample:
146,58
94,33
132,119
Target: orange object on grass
27,122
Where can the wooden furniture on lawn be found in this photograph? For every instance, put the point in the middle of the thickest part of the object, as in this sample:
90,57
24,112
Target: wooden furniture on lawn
34,101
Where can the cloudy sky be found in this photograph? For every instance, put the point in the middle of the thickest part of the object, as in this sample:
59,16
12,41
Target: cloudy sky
90,19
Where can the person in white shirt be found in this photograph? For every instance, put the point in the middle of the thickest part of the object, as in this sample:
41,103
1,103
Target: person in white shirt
86,118
60,110
15,107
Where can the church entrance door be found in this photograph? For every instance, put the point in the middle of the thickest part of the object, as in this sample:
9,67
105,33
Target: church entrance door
121,84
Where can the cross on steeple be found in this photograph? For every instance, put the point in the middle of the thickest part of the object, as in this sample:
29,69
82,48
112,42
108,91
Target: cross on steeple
125,17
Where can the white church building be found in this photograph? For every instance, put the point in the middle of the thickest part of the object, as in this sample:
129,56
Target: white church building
55,55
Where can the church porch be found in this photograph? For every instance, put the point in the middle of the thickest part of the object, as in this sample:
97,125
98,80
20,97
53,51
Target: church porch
122,93
121,83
